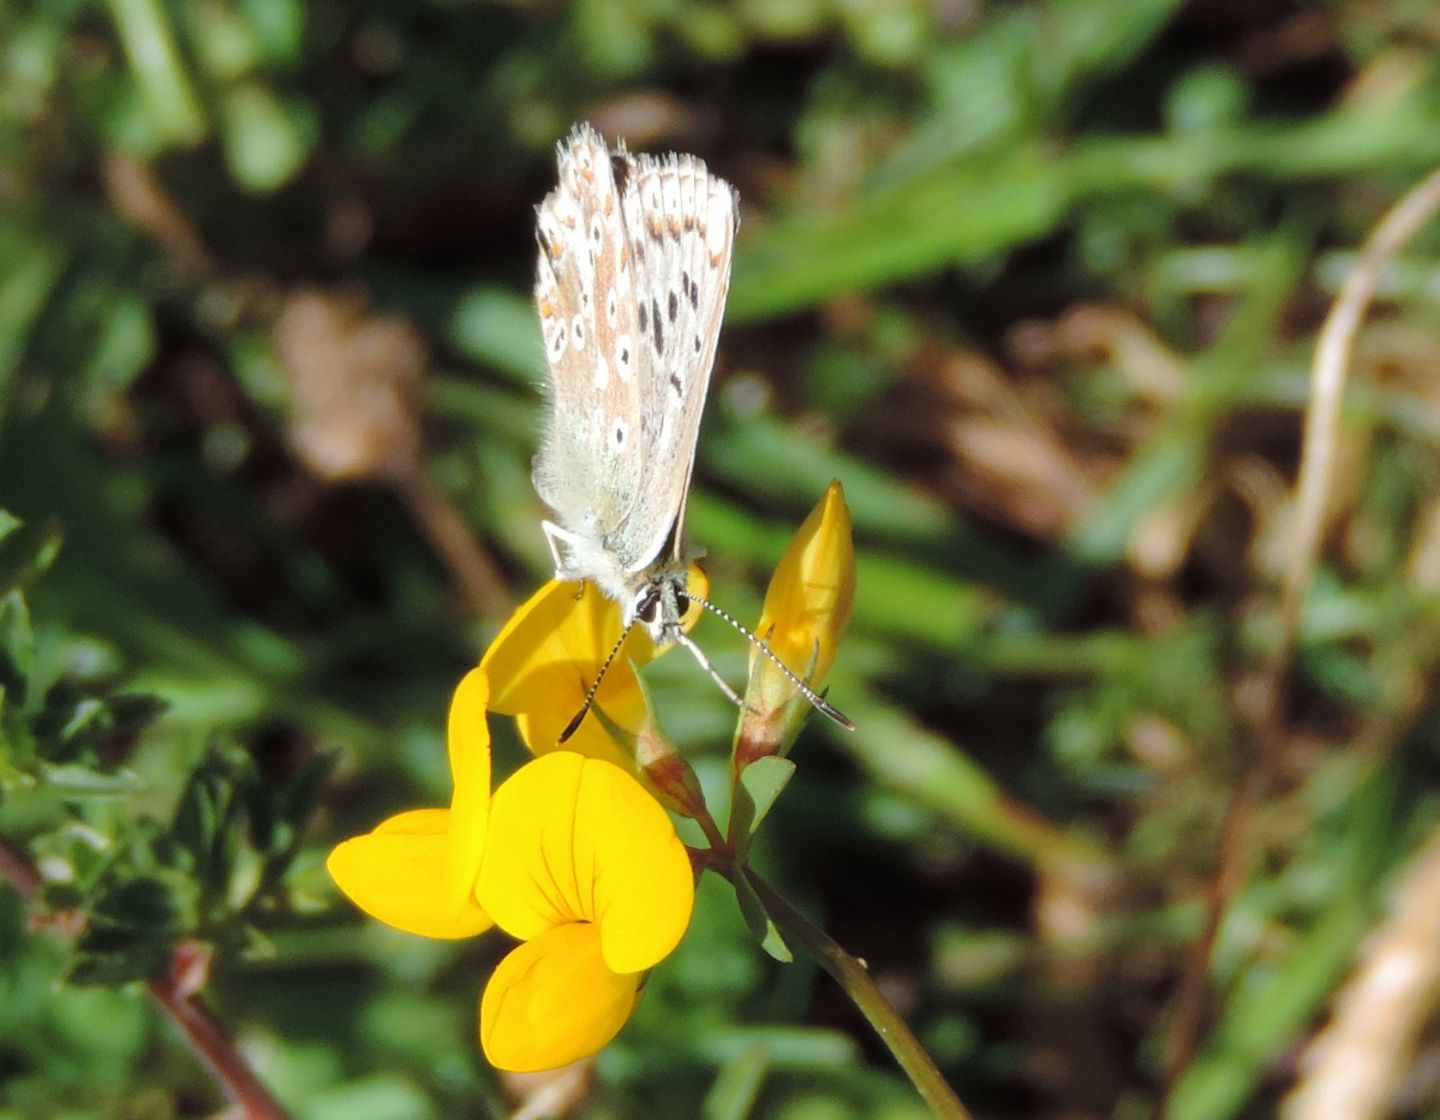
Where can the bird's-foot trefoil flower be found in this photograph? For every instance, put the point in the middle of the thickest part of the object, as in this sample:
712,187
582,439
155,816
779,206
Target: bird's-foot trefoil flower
545,660
585,867
547,657
574,855
571,856
807,607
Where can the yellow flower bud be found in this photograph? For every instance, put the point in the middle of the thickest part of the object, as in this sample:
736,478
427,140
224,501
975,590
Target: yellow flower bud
807,607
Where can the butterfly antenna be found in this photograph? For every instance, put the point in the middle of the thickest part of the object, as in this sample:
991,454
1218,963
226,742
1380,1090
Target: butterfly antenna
818,702
579,717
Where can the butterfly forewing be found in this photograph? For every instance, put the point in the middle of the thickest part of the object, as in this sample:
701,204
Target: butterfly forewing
589,470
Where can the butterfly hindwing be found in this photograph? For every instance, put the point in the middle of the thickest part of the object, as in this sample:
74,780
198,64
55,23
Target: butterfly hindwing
681,222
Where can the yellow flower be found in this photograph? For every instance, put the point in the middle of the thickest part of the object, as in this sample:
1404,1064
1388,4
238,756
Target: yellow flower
544,661
585,867
571,856
807,605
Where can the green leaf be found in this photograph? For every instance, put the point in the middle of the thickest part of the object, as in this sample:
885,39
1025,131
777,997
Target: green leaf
763,780
168,98
133,929
134,711
72,725
195,821
266,139
124,342
758,921
144,904
293,806
17,647
498,329
737,1085
27,550
247,879
754,794
30,268
107,968
75,780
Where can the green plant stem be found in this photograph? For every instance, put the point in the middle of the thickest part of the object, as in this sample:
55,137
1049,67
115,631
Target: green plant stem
855,980
713,835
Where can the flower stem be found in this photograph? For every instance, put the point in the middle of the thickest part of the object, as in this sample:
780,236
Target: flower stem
713,836
855,980
211,1043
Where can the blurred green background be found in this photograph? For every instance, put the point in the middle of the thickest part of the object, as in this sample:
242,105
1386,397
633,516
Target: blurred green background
1038,282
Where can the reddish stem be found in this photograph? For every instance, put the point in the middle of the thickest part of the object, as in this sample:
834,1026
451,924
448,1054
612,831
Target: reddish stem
203,1032
213,1045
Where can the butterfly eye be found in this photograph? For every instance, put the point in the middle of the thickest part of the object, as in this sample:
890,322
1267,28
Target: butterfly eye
647,610
682,604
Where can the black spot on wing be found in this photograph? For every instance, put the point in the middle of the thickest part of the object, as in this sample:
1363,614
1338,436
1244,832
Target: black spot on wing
620,165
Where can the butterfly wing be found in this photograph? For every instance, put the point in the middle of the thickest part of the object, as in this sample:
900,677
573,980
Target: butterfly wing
588,469
680,221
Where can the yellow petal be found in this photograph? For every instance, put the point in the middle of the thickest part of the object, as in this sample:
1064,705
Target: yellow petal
397,875
808,602
553,1001
543,662
575,839
468,739
541,666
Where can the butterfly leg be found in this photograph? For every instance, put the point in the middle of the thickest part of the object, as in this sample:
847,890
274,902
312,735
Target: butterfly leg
699,655
557,538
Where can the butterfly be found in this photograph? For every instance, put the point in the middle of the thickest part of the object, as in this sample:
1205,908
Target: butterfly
633,273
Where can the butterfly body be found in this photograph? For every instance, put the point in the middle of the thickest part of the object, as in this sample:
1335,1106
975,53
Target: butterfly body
634,269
